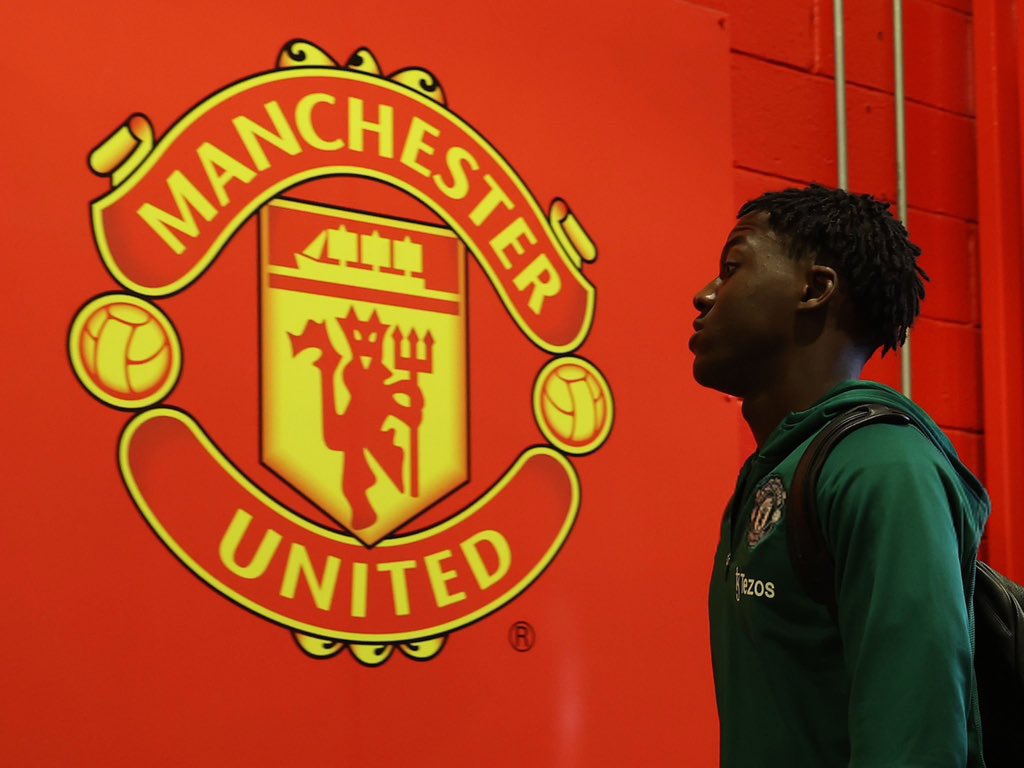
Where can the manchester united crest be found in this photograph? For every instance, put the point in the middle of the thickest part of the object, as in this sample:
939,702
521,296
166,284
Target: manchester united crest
768,503
364,372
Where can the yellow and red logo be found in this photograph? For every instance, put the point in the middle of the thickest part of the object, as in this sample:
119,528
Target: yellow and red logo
366,387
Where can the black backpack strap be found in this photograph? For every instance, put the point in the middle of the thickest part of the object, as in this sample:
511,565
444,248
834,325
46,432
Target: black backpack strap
808,552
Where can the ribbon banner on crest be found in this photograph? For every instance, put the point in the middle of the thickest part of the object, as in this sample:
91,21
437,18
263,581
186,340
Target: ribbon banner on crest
176,204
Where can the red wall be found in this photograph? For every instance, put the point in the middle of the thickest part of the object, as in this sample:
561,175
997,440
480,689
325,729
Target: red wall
784,132
124,659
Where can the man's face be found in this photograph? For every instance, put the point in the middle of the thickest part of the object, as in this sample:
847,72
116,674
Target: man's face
747,313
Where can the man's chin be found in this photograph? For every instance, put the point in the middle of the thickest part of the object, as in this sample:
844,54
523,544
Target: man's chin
708,375
703,373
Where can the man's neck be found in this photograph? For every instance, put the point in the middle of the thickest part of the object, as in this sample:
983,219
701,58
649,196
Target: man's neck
802,386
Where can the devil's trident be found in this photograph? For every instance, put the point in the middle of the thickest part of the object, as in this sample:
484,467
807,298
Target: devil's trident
415,364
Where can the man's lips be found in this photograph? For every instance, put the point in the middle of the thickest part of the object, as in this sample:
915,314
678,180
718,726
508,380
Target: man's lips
698,326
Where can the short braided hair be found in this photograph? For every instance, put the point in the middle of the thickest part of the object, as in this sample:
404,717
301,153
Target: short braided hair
860,239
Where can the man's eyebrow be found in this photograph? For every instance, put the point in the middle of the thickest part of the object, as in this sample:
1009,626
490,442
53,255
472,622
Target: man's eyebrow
738,239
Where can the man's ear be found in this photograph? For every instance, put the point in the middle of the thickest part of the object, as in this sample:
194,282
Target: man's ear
820,288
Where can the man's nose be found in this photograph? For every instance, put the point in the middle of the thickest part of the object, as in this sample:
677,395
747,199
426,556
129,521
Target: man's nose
704,299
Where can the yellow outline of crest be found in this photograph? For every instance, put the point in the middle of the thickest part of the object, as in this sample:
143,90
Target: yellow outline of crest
297,520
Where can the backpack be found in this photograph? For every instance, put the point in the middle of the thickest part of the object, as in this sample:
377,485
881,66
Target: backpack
998,601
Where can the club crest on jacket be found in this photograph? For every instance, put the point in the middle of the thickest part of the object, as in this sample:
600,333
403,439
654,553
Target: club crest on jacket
767,512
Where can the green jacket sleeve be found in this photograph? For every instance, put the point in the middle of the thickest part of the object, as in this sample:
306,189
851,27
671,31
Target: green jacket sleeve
889,507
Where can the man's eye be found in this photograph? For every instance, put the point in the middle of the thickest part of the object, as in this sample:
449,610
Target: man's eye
728,268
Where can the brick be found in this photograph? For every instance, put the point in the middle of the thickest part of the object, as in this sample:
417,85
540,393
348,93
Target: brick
970,447
868,42
950,257
938,45
750,184
782,30
871,142
783,121
964,6
947,373
941,162
885,370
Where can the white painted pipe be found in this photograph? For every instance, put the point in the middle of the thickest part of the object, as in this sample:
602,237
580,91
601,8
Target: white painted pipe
906,376
840,47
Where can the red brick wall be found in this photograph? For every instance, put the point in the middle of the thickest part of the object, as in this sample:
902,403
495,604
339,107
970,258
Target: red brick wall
784,131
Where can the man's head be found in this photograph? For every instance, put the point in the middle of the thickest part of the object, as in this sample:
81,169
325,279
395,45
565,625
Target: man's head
804,273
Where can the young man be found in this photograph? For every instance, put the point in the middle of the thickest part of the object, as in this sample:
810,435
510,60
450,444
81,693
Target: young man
810,283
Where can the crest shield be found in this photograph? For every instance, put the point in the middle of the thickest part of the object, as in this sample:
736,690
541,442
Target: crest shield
363,362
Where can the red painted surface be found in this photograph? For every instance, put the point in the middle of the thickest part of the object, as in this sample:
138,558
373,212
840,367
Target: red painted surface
748,184
950,257
784,133
999,74
176,673
937,43
964,6
784,31
941,162
871,141
123,657
971,448
885,369
869,49
947,372
783,120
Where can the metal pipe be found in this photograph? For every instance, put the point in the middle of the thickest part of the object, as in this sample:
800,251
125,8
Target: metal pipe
840,46
899,97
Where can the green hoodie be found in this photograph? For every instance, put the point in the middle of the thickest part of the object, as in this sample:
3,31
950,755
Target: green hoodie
890,683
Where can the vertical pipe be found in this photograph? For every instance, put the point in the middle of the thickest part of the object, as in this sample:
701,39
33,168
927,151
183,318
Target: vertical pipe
840,46
901,163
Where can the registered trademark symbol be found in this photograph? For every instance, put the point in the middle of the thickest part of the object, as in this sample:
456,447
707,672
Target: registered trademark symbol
521,636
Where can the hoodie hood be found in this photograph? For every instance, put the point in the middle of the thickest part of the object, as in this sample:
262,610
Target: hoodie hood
800,426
